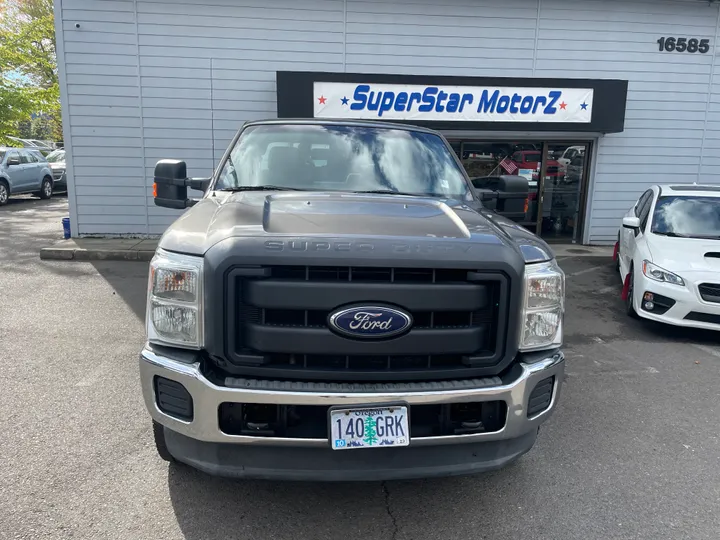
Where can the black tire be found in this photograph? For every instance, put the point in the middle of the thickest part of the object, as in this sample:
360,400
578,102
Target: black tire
46,188
4,192
160,444
629,307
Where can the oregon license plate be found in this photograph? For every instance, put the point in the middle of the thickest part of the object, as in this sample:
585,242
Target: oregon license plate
369,427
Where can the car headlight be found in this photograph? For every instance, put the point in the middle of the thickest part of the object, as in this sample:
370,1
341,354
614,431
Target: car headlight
543,306
654,272
174,303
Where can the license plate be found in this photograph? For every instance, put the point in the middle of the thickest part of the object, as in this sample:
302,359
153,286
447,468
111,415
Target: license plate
369,427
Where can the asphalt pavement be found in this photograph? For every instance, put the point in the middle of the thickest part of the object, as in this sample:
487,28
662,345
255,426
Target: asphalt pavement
631,452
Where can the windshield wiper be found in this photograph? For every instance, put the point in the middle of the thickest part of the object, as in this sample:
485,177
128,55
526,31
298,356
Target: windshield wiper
259,188
671,234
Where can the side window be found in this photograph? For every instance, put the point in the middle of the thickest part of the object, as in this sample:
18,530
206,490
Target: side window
645,212
24,157
32,158
641,202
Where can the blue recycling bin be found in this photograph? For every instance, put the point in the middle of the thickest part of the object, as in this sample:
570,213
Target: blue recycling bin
66,227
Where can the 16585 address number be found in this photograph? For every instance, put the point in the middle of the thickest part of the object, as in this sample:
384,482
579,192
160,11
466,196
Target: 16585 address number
682,44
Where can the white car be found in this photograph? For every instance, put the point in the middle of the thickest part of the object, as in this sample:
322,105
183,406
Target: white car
570,153
668,255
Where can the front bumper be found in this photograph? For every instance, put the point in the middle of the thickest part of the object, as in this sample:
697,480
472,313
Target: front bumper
687,301
201,443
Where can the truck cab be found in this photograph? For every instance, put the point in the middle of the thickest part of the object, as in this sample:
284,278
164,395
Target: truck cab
339,305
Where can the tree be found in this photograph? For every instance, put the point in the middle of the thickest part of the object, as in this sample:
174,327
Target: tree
369,430
28,67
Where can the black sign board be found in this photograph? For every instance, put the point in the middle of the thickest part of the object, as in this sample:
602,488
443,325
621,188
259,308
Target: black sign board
457,103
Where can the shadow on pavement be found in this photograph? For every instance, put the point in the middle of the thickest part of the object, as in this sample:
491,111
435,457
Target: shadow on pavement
208,508
129,280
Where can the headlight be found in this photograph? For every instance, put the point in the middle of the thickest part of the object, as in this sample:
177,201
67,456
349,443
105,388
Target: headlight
174,304
543,306
656,273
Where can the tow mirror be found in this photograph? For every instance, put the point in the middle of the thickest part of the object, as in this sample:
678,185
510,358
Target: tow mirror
631,222
171,183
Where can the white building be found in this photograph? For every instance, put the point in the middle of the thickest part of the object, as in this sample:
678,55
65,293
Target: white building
143,80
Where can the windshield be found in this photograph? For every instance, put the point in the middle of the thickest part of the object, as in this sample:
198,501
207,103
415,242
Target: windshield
687,216
343,158
56,156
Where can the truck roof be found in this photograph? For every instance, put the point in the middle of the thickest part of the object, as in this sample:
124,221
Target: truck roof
329,122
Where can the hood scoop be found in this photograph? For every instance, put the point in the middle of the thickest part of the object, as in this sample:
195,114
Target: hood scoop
368,215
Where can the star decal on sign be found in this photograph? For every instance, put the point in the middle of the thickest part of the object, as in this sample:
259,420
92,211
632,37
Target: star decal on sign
563,106
584,106
344,100
322,100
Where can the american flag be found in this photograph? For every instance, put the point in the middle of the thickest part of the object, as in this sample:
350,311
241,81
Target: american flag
508,165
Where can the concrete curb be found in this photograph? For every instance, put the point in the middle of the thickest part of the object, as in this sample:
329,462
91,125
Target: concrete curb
100,249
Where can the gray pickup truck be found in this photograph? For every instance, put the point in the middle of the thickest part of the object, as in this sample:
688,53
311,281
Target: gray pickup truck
339,305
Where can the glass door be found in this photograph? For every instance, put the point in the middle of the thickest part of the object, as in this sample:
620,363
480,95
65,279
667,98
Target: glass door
562,191
556,172
486,159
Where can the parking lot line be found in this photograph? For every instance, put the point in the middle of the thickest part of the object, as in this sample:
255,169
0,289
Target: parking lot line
711,351
586,270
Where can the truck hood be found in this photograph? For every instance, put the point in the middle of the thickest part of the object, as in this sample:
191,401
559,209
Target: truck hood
684,255
342,215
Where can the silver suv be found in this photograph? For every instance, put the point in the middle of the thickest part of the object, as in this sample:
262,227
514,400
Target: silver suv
24,170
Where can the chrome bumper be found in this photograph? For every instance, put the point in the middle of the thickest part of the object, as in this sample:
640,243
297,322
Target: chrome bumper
208,396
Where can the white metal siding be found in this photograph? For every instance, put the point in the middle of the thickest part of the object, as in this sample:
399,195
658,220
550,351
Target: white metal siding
146,80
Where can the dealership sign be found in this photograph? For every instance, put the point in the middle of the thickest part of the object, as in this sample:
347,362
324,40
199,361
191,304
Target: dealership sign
373,101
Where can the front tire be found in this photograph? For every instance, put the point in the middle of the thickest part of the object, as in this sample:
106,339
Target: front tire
630,300
4,193
46,188
160,443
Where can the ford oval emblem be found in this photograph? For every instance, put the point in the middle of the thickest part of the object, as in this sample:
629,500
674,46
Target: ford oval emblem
370,322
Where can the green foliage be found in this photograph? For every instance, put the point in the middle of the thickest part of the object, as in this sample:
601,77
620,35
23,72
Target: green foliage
28,67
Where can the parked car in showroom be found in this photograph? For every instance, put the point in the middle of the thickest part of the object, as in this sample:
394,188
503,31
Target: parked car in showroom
570,153
24,170
56,160
668,254
530,159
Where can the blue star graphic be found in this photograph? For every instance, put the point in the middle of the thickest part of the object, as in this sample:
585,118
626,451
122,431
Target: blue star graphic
344,101
584,106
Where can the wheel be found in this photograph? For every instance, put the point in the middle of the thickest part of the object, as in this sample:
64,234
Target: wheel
617,260
160,444
46,188
629,305
4,192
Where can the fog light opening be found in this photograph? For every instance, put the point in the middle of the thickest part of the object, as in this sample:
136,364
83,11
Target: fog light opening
649,306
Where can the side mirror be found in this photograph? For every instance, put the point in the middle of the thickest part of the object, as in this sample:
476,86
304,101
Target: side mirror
631,222
171,183
13,161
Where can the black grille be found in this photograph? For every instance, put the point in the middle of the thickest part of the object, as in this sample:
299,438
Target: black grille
541,396
277,322
703,317
173,398
710,292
